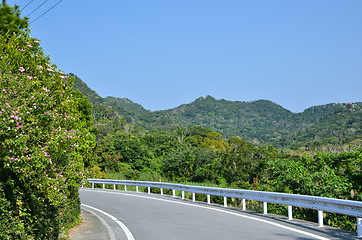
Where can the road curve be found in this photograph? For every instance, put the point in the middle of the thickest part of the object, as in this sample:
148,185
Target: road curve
151,218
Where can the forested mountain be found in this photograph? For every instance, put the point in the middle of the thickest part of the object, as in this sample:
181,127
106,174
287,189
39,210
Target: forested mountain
128,109
334,124
260,122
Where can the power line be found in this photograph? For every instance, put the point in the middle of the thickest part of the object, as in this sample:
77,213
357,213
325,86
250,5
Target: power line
46,11
26,5
37,8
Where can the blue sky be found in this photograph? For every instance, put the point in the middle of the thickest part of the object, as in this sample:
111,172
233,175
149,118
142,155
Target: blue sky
163,53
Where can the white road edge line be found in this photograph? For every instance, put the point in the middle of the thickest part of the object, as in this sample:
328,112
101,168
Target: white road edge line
219,210
124,227
111,234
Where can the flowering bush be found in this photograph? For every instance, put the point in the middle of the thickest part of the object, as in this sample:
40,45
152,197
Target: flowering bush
44,141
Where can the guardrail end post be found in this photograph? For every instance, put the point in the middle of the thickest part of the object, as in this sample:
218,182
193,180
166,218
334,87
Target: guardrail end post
244,204
265,207
103,185
193,197
359,227
125,188
320,218
114,186
149,190
183,195
208,199
173,193
161,191
92,185
225,202
137,189
290,212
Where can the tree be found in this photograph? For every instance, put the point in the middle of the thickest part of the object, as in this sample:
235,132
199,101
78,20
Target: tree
10,19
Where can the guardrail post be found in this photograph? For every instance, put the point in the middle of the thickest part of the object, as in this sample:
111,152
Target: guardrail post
244,204
103,185
149,189
359,227
225,202
290,213
320,218
265,207
183,195
193,197
114,186
173,193
92,185
125,188
136,188
208,198
161,191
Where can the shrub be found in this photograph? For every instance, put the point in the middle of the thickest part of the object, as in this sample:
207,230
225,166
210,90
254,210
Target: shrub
44,141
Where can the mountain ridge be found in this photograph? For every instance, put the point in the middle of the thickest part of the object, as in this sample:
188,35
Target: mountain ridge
259,121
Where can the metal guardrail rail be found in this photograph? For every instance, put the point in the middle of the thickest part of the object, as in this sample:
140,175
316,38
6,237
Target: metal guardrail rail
345,207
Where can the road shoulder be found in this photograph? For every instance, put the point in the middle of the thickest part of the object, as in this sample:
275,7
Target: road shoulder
91,228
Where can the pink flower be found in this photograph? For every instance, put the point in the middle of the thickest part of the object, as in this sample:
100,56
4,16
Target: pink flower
21,50
29,46
21,69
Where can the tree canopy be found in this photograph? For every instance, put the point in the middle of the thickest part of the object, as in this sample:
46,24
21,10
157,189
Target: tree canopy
10,19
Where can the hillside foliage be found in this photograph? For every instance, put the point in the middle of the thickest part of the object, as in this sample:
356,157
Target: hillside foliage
260,122
45,144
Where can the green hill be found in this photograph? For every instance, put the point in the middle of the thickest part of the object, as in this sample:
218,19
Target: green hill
331,123
260,122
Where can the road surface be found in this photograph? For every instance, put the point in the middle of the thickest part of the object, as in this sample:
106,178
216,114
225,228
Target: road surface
155,217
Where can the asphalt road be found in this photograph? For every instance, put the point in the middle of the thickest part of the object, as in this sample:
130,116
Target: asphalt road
153,217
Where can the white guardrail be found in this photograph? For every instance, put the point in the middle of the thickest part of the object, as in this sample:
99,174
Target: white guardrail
345,207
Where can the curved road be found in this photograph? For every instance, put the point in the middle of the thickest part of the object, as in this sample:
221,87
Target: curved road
155,217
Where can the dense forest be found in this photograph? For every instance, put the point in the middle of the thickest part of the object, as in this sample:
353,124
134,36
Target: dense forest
316,152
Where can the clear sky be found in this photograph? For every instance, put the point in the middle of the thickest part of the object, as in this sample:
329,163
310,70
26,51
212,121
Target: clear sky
163,53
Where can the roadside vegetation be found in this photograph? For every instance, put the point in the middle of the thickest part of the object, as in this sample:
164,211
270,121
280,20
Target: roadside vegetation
199,155
45,144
